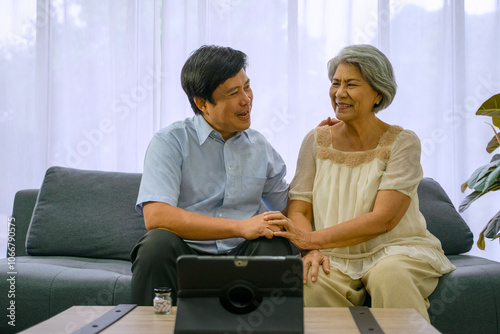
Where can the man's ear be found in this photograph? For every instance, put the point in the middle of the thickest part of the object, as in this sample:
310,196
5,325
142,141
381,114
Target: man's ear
200,103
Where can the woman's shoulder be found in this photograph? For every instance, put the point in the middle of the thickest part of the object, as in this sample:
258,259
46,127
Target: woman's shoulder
396,133
408,135
323,135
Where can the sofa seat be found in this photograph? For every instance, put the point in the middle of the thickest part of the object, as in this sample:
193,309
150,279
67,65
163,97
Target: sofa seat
51,284
68,262
467,300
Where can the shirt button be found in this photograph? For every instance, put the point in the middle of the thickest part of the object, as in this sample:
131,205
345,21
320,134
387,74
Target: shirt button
220,214
229,168
227,194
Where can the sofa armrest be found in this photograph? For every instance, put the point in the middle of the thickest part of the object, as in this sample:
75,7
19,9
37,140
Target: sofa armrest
24,204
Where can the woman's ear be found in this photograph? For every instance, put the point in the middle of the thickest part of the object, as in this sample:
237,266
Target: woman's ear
200,103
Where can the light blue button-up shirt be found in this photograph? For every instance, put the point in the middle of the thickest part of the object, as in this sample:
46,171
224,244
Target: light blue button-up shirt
189,165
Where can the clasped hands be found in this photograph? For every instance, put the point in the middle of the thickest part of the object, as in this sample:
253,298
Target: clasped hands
311,259
283,226
275,224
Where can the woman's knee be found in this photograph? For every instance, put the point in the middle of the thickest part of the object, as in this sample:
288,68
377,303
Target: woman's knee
333,290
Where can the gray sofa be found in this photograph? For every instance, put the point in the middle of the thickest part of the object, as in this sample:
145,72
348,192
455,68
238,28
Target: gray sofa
72,238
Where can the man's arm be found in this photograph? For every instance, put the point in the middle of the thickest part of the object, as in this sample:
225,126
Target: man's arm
193,226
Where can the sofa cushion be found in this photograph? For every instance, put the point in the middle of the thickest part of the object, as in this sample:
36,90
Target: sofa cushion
46,286
442,218
87,214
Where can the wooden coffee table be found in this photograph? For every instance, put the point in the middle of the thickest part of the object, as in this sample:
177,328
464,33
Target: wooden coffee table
317,320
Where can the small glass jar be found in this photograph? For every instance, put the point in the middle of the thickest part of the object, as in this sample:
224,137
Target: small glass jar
162,302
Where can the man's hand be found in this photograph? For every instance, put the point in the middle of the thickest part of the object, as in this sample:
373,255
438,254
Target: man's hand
329,121
256,227
287,228
312,260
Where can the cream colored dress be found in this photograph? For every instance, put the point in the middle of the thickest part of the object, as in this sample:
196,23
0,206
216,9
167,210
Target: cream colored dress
343,185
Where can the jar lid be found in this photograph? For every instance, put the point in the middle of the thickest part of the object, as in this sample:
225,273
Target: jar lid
162,290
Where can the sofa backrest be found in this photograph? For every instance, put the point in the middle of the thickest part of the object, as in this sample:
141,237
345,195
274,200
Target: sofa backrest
442,218
87,214
92,214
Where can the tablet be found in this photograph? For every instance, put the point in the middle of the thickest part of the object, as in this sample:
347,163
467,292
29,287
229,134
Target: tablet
239,294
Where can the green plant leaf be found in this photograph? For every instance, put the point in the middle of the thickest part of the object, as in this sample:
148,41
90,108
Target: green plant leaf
492,145
476,194
496,136
492,230
477,180
490,107
464,186
475,177
492,177
496,121
468,200
480,240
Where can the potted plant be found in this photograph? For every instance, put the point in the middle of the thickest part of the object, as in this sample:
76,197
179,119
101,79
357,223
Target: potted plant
486,178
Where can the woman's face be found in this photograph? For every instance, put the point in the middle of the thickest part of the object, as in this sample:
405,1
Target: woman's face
352,96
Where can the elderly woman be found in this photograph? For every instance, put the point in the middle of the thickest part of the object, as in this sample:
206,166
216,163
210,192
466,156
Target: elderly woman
354,207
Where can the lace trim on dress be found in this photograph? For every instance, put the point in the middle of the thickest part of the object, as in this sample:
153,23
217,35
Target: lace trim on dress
352,159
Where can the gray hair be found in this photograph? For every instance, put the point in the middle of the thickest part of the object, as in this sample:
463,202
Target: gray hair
374,67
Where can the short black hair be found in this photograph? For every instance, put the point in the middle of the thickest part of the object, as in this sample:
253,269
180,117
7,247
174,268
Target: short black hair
207,68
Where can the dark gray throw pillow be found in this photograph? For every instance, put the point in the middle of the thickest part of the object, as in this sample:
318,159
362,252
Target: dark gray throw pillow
87,214
442,218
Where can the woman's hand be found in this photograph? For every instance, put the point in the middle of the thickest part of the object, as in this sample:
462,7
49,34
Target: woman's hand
329,121
312,260
257,226
287,229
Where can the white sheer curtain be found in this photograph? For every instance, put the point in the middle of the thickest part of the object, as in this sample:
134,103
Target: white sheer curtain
86,83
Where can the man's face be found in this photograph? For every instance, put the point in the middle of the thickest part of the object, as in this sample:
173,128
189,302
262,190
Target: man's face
230,112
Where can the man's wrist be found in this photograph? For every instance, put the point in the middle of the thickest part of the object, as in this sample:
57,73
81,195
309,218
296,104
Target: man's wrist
237,228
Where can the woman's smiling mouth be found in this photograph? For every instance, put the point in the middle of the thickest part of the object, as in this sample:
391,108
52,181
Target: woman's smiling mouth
343,105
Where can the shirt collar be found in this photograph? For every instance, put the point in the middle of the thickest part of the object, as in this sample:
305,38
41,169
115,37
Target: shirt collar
203,129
